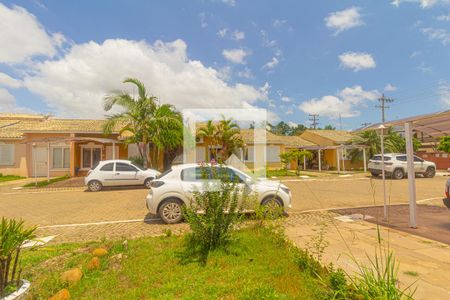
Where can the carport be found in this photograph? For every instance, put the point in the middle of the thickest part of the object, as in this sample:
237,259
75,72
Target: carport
435,125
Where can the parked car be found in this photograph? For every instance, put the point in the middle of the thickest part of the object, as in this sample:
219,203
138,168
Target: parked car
447,194
118,173
395,166
175,188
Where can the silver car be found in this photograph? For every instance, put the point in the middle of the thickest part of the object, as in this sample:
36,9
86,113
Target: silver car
118,173
395,166
176,187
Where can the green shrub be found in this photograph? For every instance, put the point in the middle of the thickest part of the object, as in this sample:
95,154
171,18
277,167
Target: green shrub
212,214
12,235
137,160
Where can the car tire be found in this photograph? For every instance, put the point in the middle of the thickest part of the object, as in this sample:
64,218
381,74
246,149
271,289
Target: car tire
430,172
272,200
374,174
95,186
148,182
398,174
171,211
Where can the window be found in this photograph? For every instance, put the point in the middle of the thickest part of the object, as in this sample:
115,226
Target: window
107,167
273,153
417,159
6,154
378,158
61,158
401,158
193,174
122,167
90,157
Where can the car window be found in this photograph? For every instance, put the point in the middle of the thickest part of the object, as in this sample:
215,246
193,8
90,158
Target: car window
122,167
196,173
226,174
378,158
417,159
401,158
107,167
163,174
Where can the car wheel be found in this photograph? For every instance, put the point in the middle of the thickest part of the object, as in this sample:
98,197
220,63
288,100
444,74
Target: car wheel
95,186
171,211
148,182
398,174
430,172
374,174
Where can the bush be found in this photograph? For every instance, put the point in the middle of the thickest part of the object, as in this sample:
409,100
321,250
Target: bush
212,214
137,160
12,235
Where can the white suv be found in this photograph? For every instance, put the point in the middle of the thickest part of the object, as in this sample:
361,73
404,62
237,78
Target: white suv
396,166
118,173
175,188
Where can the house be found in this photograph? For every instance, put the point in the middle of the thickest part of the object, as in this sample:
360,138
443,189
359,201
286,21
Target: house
333,146
37,145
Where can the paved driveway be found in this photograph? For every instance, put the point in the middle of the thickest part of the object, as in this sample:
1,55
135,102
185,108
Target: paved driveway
53,208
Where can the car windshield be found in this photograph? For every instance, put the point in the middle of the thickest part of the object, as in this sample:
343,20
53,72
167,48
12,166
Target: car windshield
378,158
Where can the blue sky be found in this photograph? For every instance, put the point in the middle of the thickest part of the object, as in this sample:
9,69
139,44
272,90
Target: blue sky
333,58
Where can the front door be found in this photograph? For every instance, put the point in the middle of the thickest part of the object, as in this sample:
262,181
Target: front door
40,161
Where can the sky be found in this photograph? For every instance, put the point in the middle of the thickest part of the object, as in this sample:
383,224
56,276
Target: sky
294,58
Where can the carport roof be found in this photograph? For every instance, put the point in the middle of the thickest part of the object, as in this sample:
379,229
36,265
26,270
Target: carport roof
434,124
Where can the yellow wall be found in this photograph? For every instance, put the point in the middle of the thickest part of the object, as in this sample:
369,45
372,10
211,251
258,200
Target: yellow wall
19,168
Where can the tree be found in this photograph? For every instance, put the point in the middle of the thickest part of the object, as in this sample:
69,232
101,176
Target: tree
146,122
444,144
283,128
226,134
329,127
296,155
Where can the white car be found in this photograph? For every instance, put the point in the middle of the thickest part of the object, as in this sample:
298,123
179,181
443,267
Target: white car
175,188
118,173
396,166
447,194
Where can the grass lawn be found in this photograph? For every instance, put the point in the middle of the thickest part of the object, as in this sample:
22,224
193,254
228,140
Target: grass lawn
46,182
285,173
259,266
4,178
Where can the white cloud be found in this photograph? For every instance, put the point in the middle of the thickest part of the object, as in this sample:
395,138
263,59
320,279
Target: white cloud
229,2
390,88
203,22
8,81
266,41
278,23
286,99
246,73
222,32
424,68
22,36
357,61
445,18
444,93
423,3
289,112
75,84
439,34
271,64
236,56
7,101
343,20
345,103
238,35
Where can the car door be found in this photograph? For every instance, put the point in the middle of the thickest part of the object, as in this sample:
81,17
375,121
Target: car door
106,174
125,174
193,180
418,165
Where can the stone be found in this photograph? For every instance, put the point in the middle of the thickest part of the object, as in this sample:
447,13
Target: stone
72,276
99,252
61,295
125,244
94,263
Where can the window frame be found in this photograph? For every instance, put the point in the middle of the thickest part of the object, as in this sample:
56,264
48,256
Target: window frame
90,147
62,148
13,158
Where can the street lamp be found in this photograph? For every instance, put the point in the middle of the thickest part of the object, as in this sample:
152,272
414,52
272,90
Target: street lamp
381,128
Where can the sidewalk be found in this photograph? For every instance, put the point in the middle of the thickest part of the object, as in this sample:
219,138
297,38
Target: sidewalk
429,259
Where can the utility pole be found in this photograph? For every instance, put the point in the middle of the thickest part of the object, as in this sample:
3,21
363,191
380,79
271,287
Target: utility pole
314,118
383,100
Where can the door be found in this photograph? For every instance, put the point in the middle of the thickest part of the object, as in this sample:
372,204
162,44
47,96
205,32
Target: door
193,180
418,165
40,161
126,174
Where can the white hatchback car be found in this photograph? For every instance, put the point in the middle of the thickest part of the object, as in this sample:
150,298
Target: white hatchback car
396,166
118,173
175,188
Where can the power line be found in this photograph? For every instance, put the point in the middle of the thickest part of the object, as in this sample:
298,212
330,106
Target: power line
383,100
314,119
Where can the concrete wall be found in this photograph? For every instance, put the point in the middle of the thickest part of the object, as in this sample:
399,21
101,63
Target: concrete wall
19,167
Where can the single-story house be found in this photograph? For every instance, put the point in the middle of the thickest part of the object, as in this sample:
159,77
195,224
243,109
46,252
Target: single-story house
37,145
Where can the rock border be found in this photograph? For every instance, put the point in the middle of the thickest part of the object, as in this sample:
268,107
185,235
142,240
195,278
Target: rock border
21,292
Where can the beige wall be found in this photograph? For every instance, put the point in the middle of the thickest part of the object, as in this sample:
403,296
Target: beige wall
19,168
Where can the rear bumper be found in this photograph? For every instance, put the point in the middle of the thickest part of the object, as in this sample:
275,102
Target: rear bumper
446,202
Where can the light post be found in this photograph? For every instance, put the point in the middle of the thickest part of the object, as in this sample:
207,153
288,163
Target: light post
383,173
34,163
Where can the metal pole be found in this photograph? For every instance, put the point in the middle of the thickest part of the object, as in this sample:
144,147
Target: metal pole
365,160
48,161
304,162
411,176
385,213
338,163
320,162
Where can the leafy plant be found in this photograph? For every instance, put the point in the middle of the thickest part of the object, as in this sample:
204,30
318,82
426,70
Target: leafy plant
137,160
213,213
13,234
444,144
295,155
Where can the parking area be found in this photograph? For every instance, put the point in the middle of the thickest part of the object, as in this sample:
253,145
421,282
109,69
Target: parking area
74,213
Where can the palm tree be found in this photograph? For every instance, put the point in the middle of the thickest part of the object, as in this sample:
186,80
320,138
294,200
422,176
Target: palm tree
146,121
209,135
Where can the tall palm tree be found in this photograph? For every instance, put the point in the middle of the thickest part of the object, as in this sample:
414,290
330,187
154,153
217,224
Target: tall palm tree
148,122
